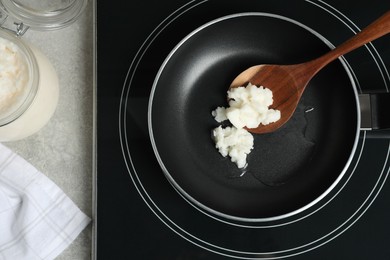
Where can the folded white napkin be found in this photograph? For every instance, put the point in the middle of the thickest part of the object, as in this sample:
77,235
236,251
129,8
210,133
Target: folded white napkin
37,220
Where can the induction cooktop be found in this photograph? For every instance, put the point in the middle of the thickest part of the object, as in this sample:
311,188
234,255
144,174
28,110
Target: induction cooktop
140,215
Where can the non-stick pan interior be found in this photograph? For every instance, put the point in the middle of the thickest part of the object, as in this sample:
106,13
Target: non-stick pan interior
288,170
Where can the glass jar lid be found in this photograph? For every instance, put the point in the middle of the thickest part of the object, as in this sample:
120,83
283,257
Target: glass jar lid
43,14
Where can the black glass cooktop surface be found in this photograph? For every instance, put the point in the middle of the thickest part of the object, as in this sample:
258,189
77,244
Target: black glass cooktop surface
140,215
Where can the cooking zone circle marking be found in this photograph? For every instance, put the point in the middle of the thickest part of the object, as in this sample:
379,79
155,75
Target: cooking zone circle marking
198,241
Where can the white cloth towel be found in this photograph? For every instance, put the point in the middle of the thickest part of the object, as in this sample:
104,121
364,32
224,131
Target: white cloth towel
37,219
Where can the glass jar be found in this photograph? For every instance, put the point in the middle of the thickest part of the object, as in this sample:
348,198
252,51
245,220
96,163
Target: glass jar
30,102
29,86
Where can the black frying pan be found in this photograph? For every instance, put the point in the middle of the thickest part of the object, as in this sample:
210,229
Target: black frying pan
289,170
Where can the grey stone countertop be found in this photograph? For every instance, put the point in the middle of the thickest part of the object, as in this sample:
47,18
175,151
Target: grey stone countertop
63,149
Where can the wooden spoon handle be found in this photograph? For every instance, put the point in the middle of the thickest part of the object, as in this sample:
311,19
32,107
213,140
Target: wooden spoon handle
376,29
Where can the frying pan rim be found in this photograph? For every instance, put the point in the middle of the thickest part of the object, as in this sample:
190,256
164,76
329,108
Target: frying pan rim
198,205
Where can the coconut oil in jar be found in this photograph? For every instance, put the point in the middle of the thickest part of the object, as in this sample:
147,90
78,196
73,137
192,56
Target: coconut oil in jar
29,88
29,85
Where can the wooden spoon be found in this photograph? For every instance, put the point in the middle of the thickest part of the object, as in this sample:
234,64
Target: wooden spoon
288,82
